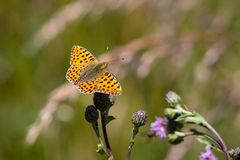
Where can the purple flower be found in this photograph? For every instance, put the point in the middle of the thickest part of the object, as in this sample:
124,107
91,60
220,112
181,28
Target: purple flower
158,127
207,155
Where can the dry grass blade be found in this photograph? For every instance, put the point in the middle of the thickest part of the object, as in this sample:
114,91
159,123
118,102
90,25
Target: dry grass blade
63,92
69,14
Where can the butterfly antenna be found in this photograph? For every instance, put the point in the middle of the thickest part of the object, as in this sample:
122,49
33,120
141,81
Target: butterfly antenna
114,60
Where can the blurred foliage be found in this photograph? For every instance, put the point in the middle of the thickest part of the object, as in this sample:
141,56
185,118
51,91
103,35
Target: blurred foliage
204,70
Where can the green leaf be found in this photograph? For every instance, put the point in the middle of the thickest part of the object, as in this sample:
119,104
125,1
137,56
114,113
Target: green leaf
101,150
110,118
171,113
209,141
176,137
194,118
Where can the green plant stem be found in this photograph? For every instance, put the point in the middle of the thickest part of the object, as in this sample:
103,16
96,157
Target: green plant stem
104,130
210,138
95,127
131,142
221,142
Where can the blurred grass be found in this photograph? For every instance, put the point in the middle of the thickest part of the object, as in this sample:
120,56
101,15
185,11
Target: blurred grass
26,79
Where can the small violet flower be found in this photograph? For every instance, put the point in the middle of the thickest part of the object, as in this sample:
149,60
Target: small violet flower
207,155
159,126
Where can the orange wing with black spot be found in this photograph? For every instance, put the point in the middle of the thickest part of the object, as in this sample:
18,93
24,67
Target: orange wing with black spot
104,83
88,87
80,59
73,73
80,56
108,84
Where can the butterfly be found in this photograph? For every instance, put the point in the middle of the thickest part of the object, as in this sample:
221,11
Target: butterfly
89,75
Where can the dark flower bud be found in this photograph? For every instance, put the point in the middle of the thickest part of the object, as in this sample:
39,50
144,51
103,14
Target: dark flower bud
139,118
173,126
103,101
91,114
172,98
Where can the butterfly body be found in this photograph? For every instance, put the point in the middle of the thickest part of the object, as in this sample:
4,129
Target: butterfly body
92,71
89,75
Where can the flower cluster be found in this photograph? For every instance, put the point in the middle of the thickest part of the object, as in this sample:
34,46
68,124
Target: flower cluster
176,116
170,127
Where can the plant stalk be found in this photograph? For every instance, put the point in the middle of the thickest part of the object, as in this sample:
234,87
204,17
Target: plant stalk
131,142
104,130
221,142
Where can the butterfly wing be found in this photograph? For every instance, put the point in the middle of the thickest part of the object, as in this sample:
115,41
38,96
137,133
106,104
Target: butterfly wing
88,86
72,74
108,84
81,56
80,59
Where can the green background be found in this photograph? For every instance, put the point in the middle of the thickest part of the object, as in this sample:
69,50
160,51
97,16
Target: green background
199,59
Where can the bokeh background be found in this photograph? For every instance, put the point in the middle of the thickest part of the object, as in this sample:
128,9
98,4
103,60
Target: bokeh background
190,47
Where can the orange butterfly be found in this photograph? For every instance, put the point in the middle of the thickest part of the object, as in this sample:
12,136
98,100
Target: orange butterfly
90,75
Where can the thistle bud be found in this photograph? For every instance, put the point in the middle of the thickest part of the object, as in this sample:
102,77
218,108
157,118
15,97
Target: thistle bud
172,98
91,114
103,101
139,118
